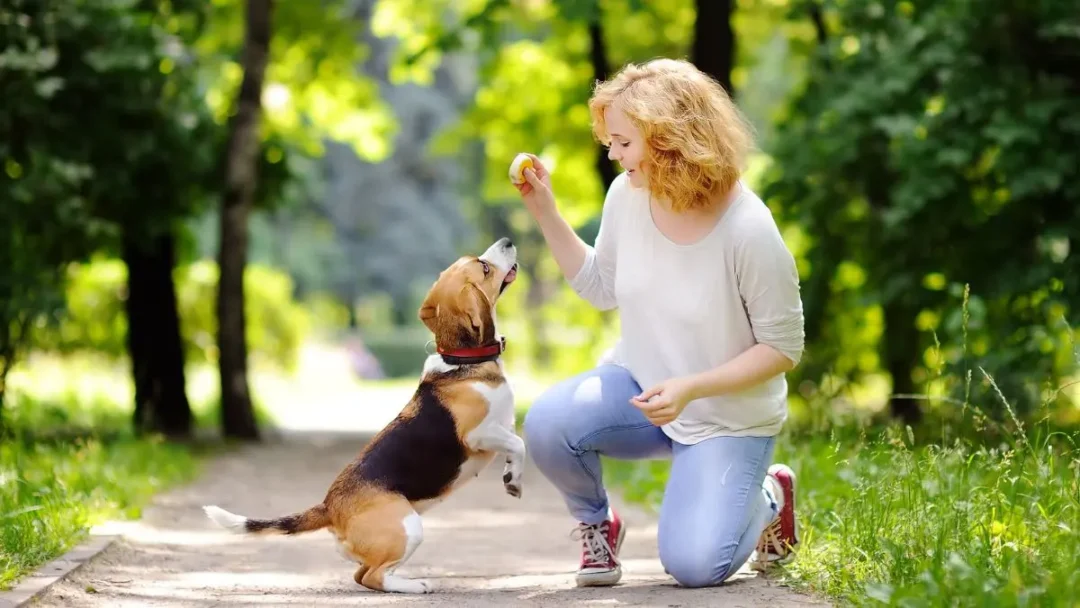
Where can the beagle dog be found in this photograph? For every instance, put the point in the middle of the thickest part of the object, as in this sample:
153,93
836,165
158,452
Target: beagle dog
459,418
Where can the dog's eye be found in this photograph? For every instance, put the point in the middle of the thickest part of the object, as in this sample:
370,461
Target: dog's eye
487,267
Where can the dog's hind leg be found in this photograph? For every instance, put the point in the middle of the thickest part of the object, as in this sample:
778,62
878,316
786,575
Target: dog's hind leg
384,539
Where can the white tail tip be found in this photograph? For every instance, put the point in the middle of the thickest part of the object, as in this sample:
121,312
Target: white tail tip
229,521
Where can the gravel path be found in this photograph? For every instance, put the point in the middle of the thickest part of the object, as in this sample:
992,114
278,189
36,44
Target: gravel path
481,547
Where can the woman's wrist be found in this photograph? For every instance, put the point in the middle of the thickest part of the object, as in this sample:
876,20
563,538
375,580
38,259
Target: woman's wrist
707,384
548,216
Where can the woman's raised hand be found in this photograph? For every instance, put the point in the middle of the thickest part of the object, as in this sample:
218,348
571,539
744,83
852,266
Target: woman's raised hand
536,189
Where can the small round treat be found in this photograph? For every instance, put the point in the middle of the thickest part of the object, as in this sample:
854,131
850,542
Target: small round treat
517,168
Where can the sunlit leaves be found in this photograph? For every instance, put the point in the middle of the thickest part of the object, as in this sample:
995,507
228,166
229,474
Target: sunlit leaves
315,84
532,103
428,30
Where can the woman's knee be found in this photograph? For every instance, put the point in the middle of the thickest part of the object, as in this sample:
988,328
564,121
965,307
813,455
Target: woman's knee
692,551
563,404
546,421
695,567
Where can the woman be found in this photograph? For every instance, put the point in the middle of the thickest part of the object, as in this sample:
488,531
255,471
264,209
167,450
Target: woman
711,319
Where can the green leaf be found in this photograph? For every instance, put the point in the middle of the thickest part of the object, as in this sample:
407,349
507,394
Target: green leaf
49,86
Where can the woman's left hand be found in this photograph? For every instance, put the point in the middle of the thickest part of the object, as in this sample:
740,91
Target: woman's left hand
664,402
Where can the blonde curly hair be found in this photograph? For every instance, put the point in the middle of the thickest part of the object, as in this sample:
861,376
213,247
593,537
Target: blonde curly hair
696,139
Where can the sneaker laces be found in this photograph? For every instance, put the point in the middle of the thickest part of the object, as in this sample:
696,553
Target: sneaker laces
594,539
769,541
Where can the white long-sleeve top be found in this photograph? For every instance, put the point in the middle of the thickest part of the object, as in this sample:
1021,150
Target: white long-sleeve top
685,309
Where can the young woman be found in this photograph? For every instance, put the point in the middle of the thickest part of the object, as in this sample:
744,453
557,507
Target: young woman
711,319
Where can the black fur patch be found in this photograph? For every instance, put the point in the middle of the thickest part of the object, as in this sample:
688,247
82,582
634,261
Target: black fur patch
420,457
286,524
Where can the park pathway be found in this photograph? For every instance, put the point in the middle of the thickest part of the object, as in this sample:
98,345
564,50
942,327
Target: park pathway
481,547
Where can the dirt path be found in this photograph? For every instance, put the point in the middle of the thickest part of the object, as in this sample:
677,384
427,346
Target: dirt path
481,547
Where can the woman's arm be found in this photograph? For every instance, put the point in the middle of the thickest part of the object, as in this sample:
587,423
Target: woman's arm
769,286
590,271
569,251
754,366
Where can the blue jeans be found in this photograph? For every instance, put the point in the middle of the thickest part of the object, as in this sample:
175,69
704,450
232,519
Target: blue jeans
714,506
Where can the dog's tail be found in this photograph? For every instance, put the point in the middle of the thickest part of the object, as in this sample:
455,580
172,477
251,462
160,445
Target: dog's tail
314,518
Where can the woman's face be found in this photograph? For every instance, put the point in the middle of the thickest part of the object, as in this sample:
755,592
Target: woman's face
627,145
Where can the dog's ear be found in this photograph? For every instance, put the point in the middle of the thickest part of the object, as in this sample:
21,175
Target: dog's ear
429,311
476,308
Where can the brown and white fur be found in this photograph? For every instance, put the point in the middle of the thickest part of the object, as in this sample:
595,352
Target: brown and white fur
459,418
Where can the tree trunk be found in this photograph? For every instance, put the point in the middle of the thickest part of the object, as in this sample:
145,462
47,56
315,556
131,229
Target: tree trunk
713,50
237,414
901,353
598,54
153,337
10,337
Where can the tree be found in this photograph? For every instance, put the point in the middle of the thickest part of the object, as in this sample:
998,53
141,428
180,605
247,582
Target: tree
598,56
237,413
933,149
309,63
713,48
108,145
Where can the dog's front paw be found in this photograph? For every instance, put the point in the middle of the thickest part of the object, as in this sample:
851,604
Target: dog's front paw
512,482
513,488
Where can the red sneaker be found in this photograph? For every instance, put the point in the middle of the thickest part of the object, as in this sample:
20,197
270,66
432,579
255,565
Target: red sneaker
780,538
600,552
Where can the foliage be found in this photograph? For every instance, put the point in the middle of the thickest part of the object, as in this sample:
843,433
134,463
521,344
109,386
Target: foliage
101,115
961,525
55,487
93,318
276,325
933,148
128,68
315,87
884,522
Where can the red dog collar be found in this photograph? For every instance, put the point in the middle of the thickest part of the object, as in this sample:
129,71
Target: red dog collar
477,354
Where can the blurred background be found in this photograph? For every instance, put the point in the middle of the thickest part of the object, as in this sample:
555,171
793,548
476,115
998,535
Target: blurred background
220,217
297,175
333,157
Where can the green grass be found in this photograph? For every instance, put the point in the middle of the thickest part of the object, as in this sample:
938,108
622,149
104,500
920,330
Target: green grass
68,462
57,484
54,492
886,521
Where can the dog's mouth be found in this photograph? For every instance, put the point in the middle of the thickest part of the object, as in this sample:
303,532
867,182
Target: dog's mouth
509,278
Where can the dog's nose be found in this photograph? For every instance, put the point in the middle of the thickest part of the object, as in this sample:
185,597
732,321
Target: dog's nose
505,242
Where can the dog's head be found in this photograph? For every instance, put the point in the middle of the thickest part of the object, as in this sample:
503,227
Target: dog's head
460,307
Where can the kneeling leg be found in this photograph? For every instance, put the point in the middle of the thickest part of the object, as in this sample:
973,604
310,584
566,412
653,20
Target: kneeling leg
714,508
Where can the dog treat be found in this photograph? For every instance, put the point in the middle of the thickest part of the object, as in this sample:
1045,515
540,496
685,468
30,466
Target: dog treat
517,168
